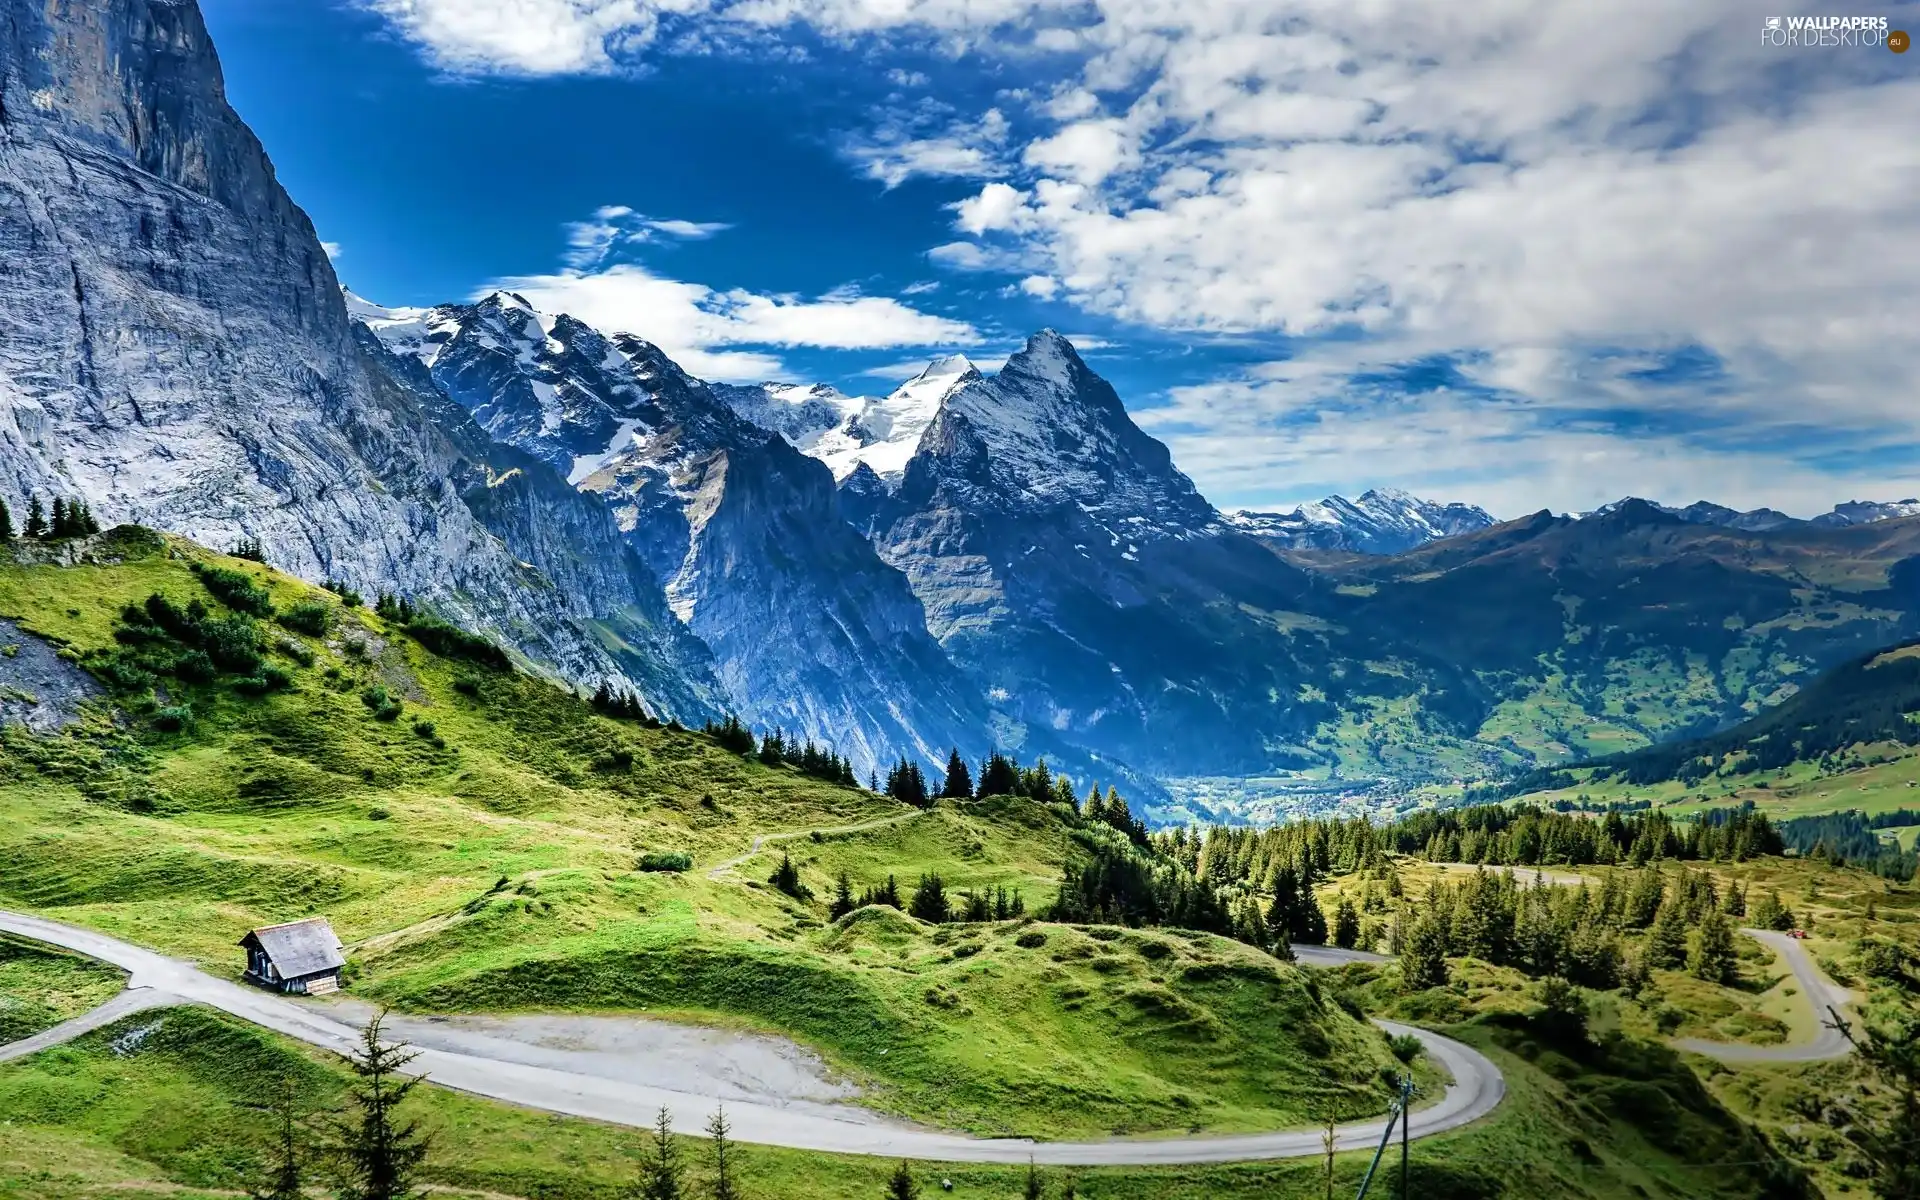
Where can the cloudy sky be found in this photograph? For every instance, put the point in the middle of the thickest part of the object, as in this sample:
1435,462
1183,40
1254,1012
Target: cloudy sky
1528,253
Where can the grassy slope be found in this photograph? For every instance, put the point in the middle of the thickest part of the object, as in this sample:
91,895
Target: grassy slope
41,987
184,1110
498,872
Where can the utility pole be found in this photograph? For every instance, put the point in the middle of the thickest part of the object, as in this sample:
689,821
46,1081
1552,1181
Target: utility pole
1406,1119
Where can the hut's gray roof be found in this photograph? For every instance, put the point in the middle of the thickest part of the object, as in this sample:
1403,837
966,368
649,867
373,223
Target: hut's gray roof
299,948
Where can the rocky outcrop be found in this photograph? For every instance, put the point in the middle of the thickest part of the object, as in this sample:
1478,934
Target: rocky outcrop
175,348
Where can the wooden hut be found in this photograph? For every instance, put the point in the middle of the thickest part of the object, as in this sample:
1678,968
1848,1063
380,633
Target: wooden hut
302,957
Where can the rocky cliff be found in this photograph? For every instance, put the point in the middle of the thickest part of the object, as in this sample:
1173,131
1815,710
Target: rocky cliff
175,348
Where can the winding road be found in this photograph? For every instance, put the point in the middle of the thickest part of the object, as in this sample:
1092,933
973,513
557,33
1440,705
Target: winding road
1820,991
156,981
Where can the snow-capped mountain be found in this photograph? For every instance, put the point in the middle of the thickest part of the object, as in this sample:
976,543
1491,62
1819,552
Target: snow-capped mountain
1866,512
1087,586
174,347
810,630
847,432
1381,521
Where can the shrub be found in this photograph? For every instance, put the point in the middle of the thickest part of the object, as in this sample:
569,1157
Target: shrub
1032,939
666,860
310,617
268,679
1405,1047
173,718
424,728
235,589
467,685
378,814
296,650
449,641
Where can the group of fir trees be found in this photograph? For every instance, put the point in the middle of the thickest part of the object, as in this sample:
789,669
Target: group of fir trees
1573,933
777,748
931,901
71,519
663,1174
621,705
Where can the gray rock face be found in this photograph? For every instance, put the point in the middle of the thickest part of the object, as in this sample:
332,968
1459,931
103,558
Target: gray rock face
809,629
38,688
1088,586
174,346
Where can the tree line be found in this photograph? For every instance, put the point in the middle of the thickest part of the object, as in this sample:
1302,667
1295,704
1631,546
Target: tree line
70,519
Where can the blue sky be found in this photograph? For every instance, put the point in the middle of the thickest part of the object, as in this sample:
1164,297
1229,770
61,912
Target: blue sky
1520,254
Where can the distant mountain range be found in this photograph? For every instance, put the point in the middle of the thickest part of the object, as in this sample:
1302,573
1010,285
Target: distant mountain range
1381,521
976,561
1704,512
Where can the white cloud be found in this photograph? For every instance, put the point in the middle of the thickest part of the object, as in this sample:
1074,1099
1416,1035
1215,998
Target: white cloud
534,37
701,327
332,250
963,151
1040,287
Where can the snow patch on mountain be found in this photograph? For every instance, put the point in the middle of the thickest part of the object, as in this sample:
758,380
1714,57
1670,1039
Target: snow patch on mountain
1381,521
1760,520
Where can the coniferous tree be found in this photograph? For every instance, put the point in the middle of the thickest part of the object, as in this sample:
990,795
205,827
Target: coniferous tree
1667,941
786,877
1035,1190
901,1186
6,522
90,526
1886,1133
378,1153
36,526
660,1174
842,903
930,901
1346,925
62,525
1712,956
284,1177
999,777
720,1141
1423,961
959,782
1736,901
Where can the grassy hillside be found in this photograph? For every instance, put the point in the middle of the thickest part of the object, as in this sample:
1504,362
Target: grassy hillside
40,987
474,835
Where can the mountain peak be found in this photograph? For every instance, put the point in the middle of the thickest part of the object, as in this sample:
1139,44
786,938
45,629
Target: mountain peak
951,366
1381,521
1048,356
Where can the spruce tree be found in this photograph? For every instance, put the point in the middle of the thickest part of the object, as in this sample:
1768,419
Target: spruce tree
1885,1132
379,1154
6,522
1712,956
1346,925
842,898
786,877
660,1173
1667,940
930,901
1423,960
284,1176
1736,901
959,782
36,526
902,1186
62,526
1034,1189
720,1140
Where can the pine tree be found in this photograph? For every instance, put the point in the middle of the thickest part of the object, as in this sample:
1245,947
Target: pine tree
285,1176
1034,1189
1736,901
6,522
660,1173
1667,940
1346,925
999,777
36,527
930,901
90,526
842,898
902,1186
1712,956
62,526
959,781
786,877
378,1154
1423,961
720,1138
